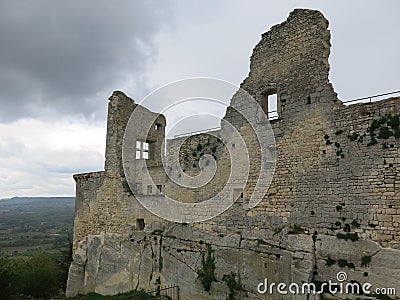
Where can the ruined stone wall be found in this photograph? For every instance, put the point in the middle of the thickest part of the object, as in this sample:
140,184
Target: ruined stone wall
104,201
334,195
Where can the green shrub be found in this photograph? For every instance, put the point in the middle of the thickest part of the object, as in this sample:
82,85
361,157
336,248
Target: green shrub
37,276
207,273
348,236
355,224
394,122
233,284
365,261
330,261
344,263
6,278
296,229
384,133
352,137
339,132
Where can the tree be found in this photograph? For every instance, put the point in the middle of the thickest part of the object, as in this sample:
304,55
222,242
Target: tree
207,273
6,278
64,262
37,276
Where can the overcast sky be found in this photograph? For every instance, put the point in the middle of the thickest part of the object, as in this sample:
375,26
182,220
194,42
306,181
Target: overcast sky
61,60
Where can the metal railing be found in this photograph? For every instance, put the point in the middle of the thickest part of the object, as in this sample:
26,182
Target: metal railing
196,132
370,97
166,293
273,114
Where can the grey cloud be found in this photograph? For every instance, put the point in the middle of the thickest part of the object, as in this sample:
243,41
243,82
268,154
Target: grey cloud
65,57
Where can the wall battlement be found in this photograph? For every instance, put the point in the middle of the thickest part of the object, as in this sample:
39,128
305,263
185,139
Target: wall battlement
334,196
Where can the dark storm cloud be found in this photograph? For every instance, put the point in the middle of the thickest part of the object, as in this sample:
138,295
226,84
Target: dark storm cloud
58,57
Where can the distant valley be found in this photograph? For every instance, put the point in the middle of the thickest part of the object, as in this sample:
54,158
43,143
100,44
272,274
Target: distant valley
30,224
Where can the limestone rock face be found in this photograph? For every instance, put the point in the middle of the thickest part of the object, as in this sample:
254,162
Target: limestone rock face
363,261
109,264
112,263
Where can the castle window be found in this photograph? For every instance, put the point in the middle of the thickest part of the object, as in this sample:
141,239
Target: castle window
158,126
140,224
159,188
268,100
142,150
271,105
149,189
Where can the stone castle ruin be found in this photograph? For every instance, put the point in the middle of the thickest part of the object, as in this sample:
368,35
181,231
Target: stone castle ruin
333,204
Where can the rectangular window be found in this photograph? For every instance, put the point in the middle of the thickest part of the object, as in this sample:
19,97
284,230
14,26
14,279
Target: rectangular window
268,99
160,188
142,150
158,126
149,189
140,224
145,155
271,105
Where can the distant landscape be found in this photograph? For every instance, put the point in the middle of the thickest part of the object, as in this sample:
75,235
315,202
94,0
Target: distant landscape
32,224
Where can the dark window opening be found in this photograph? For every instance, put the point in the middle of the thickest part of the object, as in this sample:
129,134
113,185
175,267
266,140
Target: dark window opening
158,126
308,100
140,224
160,188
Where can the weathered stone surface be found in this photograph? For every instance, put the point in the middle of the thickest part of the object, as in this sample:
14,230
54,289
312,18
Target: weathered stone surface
383,270
331,182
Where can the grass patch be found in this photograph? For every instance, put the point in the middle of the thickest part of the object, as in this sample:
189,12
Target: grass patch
133,295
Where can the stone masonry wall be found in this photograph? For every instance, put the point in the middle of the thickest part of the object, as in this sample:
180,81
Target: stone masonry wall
334,195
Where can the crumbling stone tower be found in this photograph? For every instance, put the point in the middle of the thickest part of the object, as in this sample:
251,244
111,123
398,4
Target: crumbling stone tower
333,204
